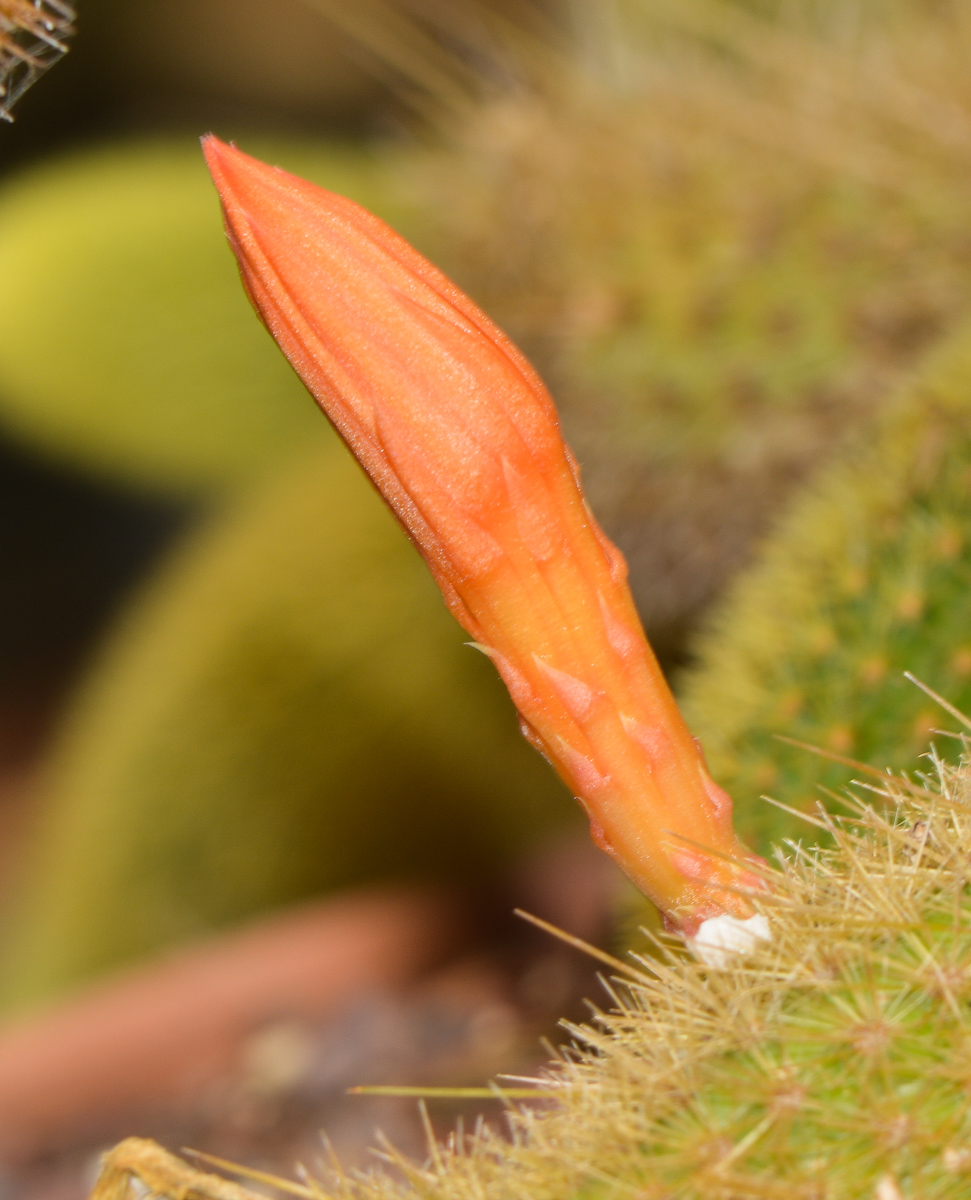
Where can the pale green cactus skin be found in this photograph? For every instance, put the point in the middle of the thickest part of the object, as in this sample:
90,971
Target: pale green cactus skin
867,577
288,709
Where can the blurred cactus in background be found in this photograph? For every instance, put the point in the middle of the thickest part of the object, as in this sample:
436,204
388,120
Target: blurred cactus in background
130,351
867,577
288,709
721,250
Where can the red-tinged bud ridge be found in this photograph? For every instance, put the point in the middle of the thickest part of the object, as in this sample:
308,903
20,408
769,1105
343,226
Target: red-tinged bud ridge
458,433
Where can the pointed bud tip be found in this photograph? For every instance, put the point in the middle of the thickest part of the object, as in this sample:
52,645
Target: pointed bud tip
248,187
225,160
213,148
221,157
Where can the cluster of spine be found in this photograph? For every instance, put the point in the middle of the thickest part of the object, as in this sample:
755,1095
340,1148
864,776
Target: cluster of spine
833,1064
33,36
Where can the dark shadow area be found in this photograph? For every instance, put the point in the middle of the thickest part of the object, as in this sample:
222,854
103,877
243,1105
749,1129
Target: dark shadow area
71,550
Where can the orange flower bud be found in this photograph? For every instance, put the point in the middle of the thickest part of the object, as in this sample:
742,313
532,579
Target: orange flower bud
461,438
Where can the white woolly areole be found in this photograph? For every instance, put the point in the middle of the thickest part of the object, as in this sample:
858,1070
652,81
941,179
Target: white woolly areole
719,939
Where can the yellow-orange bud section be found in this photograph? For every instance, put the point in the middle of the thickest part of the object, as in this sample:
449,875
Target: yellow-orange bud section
458,433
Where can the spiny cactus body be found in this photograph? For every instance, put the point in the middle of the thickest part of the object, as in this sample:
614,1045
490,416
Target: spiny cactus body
832,1065
289,709
869,576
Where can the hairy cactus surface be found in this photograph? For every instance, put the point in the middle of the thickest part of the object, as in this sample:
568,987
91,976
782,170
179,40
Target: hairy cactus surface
833,1063
868,576
289,709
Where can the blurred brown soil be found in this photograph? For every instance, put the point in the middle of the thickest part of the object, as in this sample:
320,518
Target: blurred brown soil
244,1047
